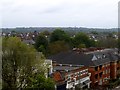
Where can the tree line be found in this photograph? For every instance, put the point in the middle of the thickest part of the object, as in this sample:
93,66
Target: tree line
60,41
23,65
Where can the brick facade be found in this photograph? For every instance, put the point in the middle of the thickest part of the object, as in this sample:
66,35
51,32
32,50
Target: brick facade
102,64
76,77
99,74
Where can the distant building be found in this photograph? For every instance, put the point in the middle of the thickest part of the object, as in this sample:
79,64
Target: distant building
29,42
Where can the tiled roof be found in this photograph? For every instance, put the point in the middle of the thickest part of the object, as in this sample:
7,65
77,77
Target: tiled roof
57,76
75,58
64,68
72,57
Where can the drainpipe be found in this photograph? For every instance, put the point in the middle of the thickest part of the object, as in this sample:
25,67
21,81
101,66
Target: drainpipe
79,80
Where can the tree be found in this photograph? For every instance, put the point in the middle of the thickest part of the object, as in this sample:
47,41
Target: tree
41,43
108,43
59,35
58,46
45,33
82,46
19,63
119,44
42,83
82,38
94,32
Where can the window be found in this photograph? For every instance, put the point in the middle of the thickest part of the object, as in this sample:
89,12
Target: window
118,62
69,78
96,76
104,56
76,74
70,65
81,73
100,74
100,67
108,70
96,68
84,72
117,68
103,72
98,56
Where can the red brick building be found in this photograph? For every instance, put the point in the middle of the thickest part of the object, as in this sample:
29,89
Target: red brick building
72,76
103,64
100,74
118,68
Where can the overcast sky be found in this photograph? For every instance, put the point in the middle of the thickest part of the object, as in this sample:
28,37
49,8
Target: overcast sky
67,13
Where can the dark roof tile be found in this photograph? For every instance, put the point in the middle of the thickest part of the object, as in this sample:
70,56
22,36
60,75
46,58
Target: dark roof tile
75,58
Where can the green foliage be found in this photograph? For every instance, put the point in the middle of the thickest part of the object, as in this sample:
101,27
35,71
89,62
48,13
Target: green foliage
59,35
50,45
114,83
82,46
42,83
45,33
58,46
19,62
41,43
94,32
42,49
108,43
82,38
118,43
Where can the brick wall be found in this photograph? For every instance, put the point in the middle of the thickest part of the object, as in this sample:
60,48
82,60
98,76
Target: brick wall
113,70
100,74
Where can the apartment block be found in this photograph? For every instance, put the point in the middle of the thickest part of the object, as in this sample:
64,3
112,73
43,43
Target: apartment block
71,76
103,64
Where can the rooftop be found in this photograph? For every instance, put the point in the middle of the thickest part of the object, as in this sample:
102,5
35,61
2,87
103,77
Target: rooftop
94,58
62,68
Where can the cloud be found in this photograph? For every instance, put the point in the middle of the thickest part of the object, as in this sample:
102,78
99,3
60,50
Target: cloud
89,13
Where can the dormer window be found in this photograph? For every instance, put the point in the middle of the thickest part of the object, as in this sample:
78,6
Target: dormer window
104,56
70,65
98,56
66,70
60,64
115,53
94,58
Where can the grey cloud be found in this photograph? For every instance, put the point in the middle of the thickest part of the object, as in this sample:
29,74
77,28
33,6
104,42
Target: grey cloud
63,14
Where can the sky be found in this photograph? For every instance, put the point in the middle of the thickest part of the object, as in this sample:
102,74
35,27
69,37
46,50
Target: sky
59,13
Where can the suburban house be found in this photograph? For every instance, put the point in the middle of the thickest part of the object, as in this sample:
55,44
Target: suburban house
69,76
103,64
